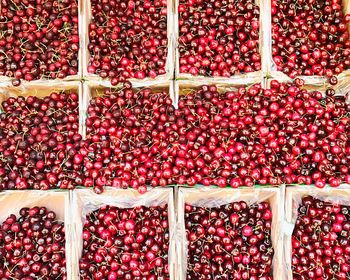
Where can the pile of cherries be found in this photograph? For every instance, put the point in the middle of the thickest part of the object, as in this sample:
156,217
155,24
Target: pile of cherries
32,246
232,241
136,137
129,244
40,142
129,133
39,39
241,137
310,37
320,241
218,38
128,39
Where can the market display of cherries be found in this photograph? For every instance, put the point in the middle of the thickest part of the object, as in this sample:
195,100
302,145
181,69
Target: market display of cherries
221,135
320,241
126,244
32,246
232,241
129,39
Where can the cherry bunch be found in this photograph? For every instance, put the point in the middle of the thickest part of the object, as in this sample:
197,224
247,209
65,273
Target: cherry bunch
32,246
232,241
310,37
39,39
219,38
40,142
129,244
128,39
320,241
